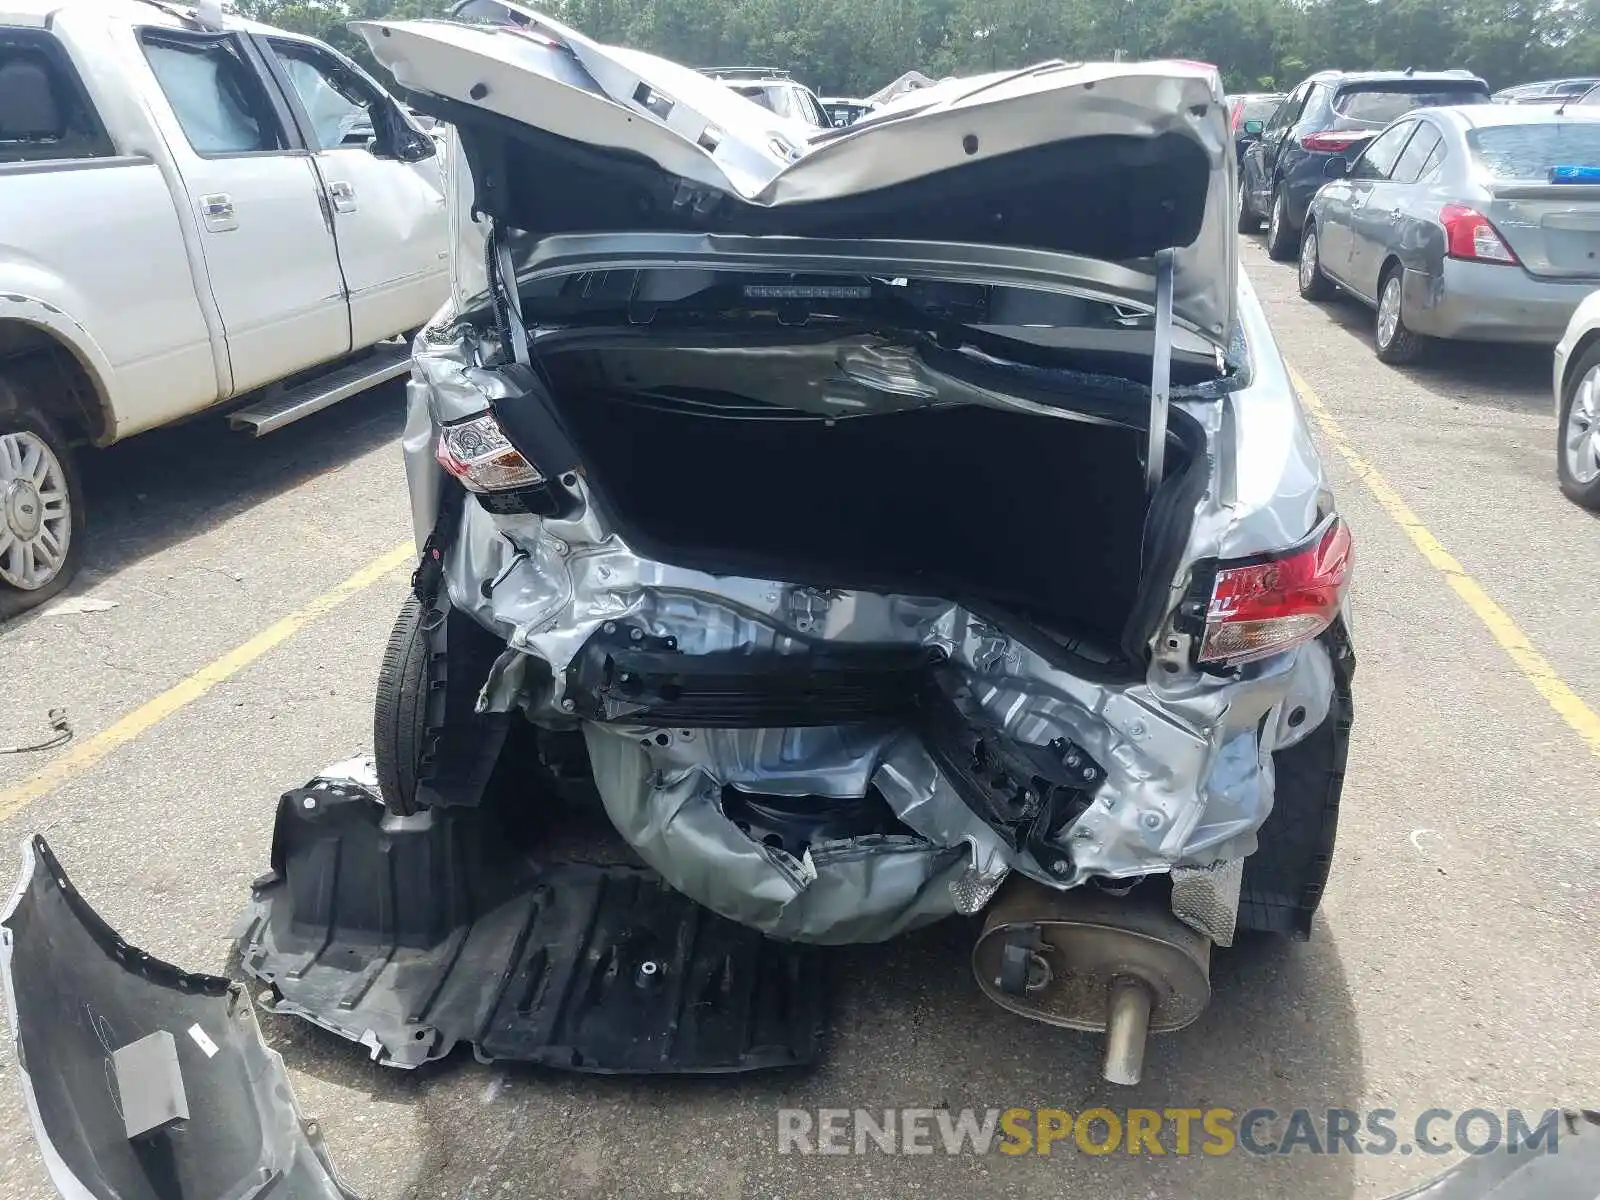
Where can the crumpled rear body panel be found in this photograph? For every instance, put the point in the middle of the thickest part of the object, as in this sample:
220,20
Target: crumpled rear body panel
557,586
1183,760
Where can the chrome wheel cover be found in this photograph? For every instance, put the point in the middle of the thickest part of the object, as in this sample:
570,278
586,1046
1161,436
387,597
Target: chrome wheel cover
1581,437
35,512
1389,311
1308,259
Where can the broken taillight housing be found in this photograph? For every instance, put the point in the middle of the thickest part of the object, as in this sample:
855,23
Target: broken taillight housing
478,453
1267,605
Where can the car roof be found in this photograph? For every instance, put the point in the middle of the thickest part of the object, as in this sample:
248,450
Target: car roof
1358,77
168,13
1487,116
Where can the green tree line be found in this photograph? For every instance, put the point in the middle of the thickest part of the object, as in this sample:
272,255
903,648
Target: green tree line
854,47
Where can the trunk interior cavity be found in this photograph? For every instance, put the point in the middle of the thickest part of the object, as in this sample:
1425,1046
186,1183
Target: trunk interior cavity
1038,516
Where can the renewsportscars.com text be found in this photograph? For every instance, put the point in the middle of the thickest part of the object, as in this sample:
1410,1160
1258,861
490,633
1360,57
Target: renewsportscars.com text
1167,1131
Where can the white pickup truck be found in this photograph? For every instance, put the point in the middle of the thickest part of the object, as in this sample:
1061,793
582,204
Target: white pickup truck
195,211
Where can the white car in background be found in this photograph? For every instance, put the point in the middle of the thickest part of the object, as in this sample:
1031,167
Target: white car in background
1577,391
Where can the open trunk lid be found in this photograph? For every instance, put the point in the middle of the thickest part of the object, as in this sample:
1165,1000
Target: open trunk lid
1083,165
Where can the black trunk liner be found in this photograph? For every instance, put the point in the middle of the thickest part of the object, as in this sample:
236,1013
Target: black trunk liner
413,934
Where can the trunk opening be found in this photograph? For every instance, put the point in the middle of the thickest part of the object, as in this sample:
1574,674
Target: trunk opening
1034,516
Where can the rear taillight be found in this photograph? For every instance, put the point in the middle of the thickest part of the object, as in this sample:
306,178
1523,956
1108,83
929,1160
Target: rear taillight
478,453
1334,141
1468,235
1266,606
1234,118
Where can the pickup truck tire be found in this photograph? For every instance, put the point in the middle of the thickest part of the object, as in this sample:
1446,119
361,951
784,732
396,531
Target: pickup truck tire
400,715
41,501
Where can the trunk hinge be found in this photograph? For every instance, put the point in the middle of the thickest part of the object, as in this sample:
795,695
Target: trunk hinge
1155,454
504,284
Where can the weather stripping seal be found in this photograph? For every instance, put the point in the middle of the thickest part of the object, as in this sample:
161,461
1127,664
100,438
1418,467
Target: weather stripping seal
1160,376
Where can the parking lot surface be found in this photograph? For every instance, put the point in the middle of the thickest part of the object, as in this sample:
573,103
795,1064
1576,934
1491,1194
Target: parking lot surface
1453,962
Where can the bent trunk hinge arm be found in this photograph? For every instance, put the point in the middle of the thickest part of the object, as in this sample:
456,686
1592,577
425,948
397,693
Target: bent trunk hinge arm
505,283
1155,454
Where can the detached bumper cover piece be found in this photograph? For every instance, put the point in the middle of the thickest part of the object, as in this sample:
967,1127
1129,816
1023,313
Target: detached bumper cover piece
412,934
78,995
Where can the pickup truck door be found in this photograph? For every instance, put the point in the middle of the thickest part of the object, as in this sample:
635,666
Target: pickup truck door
254,193
388,213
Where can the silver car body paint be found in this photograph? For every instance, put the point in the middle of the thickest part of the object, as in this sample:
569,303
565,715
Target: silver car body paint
1187,755
1189,781
565,84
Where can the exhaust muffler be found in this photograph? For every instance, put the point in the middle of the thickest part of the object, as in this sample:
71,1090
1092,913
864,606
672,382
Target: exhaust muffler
1082,959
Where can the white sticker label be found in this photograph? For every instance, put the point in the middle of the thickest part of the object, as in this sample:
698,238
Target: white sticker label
203,1040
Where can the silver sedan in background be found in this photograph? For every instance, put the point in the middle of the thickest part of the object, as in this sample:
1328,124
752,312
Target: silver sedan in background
1476,222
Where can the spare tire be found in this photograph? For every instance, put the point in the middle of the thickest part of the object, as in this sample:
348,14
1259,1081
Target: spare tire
400,715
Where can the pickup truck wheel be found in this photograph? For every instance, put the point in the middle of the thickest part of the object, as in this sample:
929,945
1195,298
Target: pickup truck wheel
1282,242
401,713
41,504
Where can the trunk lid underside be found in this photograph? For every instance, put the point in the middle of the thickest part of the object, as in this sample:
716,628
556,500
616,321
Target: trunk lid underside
1112,163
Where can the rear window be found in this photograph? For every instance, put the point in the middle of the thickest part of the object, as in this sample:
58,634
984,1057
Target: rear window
1380,105
1529,151
758,94
1260,110
44,113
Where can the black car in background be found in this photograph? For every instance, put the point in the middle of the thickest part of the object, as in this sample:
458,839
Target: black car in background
1250,107
1330,116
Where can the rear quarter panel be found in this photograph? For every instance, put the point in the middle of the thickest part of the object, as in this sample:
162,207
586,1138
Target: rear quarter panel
1271,488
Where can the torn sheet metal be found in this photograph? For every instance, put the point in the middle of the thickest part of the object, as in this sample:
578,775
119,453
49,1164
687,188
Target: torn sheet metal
861,889
80,999
436,930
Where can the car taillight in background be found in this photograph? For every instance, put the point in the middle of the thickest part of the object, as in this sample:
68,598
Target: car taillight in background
1335,141
478,453
1266,606
1469,235
1236,117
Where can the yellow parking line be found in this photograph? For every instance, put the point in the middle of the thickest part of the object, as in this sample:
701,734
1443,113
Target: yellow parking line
1535,668
91,750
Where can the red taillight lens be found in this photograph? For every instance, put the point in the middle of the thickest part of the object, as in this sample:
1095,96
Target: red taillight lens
1238,113
1263,608
477,452
1469,235
1334,141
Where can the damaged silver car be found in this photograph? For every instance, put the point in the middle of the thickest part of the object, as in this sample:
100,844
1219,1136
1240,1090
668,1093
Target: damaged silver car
911,523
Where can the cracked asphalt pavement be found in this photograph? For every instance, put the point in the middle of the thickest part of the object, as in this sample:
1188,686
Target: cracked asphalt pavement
1452,964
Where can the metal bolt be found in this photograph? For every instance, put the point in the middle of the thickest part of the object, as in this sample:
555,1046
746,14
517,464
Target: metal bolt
610,626
568,705
1061,866
1088,772
309,802
1151,820
1137,729
637,635
1073,760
